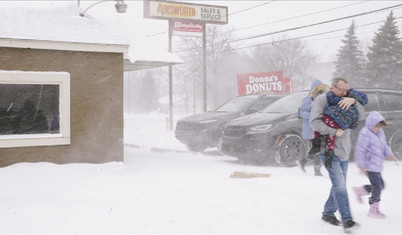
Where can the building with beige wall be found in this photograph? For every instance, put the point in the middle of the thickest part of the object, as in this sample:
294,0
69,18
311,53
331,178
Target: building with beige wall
85,63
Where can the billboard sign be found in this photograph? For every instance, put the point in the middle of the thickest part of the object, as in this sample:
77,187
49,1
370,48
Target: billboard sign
165,10
272,82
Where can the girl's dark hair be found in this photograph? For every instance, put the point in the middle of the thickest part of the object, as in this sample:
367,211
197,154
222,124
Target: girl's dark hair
382,124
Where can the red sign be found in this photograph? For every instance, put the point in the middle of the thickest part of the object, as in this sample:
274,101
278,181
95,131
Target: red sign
263,83
187,29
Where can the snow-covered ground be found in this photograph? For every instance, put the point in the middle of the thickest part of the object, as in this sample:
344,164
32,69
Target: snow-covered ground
162,188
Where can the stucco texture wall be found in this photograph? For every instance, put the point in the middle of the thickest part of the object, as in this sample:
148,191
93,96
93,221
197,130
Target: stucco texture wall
96,105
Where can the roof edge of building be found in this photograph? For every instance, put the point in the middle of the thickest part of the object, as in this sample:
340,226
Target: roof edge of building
65,46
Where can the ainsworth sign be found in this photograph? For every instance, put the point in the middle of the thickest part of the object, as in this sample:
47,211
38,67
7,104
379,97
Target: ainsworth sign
186,11
271,82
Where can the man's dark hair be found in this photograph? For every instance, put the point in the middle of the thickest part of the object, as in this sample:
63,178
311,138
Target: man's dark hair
338,79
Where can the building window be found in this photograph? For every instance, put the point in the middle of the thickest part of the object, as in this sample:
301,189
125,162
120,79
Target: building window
34,108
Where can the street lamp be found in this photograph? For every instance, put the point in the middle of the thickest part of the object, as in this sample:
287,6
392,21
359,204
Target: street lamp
120,6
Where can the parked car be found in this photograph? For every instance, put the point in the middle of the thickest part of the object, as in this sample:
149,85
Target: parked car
274,134
203,130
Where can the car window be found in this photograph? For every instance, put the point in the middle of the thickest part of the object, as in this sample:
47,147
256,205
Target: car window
258,105
236,104
392,101
373,103
262,103
287,104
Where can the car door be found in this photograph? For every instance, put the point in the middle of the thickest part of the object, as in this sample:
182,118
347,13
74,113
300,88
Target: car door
373,104
391,107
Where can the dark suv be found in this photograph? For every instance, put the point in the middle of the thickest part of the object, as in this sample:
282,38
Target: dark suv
274,134
203,130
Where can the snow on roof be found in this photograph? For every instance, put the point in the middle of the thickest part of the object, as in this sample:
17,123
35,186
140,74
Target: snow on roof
25,26
42,25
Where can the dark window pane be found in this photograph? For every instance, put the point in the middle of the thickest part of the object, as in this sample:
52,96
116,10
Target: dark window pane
29,109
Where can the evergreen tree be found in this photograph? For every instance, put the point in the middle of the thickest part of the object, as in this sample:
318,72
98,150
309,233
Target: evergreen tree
350,59
385,56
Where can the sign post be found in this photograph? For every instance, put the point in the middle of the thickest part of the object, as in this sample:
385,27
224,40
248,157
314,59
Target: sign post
204,66
189,13
170,79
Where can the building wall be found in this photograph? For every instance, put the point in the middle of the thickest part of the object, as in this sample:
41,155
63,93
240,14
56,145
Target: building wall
96,105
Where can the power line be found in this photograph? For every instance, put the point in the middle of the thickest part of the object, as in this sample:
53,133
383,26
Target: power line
307,36
356,33
305,26
301,37
299,16
315,24
250,8
300,27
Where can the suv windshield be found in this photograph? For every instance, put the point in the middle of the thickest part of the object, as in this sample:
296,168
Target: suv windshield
234,105
288,104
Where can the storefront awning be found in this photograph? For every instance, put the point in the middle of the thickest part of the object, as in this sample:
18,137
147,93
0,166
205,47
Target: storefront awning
143,56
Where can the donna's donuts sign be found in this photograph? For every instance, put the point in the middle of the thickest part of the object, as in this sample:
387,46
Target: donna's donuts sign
271,82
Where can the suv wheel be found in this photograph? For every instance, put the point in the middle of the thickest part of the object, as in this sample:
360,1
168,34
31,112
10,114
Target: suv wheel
289,149
196,147
396,144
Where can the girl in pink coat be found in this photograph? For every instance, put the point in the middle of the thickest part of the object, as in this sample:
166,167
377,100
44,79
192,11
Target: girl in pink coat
371,149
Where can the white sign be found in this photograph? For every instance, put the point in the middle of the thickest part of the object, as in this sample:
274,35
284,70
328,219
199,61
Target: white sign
186,11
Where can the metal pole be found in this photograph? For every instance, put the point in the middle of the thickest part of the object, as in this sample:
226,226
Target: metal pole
194,91
170,78
129,92
204,64
96,3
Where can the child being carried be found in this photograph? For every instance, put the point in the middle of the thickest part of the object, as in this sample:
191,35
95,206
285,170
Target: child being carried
336,117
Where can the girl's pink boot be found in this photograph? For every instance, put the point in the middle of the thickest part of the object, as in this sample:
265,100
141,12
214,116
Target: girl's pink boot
375,211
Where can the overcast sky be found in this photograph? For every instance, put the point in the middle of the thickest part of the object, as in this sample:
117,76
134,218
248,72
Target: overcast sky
253,18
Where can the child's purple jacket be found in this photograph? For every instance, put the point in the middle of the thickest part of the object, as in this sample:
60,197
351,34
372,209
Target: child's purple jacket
371,148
